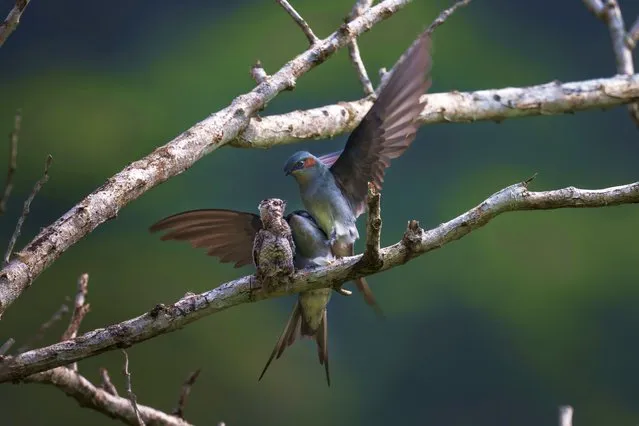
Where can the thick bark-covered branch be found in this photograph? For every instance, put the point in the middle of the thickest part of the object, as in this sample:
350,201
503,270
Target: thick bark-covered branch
171,159
416,241
453,107
88,395
13,19
610,12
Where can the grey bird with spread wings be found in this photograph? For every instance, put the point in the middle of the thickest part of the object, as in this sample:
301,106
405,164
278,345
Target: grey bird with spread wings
334,187
230,235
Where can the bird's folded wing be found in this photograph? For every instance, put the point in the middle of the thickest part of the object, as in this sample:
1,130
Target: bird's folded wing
226,234
388,128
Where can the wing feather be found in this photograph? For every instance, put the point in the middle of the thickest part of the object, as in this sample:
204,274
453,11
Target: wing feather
388,128
226,234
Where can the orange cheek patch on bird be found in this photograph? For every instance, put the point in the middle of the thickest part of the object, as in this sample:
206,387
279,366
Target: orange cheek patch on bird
309,162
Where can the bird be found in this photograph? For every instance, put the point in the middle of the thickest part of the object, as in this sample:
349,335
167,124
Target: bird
309,317
333,187
230,235
273,246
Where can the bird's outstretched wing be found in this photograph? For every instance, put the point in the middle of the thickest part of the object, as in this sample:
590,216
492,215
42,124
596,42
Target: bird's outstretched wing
388,128
330,158
226,234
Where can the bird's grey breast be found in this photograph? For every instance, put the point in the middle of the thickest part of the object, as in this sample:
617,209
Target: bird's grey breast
311,244
324,200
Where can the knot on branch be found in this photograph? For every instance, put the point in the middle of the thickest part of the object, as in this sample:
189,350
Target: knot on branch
258,73
413,236
157,310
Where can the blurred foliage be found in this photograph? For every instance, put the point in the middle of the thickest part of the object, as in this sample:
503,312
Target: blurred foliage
535,310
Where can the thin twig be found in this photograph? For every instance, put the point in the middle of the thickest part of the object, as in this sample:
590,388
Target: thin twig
184,394
129,390
107,385
353,49
13,19
79,311
80,308
633,35
88,395
25,209
257,72
6,346
610,13
565,415
446,14
57,316
441,19
171,317
13,157
312,38
360,68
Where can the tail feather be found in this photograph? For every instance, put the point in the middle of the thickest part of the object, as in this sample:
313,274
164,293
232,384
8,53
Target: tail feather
321,337
368,295
291,331
295,327
362,286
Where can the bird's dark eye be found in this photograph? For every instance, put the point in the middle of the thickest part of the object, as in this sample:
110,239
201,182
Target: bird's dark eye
300,164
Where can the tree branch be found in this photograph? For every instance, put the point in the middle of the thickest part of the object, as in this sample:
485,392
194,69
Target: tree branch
610,12
171,159
80,310
6,346
25,211
353,49
373,228
13,158
129,390
104,399
633,35
88,395
257,72
306,29
107,385
416,241
185,392
57,316
453,107
13,19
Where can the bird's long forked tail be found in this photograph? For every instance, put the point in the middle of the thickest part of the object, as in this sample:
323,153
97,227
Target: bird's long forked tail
362,286
292,330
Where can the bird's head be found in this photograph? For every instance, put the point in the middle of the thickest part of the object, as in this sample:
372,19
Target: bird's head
271,208
302,165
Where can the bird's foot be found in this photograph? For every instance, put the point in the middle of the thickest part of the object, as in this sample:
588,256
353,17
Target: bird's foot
255,284
332,238
288,283
342,291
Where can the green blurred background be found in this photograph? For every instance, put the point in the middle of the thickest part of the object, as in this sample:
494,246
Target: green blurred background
535,310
